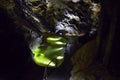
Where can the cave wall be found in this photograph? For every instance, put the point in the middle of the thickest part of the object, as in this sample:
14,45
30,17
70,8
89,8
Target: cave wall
99,59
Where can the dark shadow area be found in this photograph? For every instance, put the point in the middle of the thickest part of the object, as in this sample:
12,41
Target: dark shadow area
109,47
15,61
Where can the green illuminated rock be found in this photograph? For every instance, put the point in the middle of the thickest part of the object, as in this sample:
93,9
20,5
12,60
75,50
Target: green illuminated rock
50,54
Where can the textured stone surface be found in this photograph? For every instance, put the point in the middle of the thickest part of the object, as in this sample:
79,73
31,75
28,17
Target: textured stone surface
82,59
85,67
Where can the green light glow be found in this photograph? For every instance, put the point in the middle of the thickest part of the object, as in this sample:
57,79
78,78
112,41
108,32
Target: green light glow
36,51
56,40
42,60
53,39
60,57
60,43
50,55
